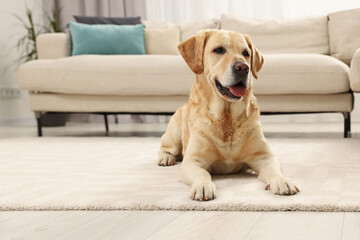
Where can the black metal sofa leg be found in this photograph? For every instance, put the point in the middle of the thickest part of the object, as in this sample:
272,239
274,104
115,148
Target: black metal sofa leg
38,116
106,123
347,124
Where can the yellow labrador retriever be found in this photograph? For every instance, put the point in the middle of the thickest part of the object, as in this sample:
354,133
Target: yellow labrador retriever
218,131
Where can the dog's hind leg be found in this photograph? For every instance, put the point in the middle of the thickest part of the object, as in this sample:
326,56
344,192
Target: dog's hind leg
171,145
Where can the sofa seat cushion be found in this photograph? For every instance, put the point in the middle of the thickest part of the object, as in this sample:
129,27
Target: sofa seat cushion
302,74
154,75
109,75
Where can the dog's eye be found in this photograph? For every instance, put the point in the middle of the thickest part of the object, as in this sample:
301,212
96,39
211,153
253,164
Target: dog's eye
219,50
245,53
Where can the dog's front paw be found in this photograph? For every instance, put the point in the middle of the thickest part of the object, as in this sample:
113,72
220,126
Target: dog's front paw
166,159
282,186
203,190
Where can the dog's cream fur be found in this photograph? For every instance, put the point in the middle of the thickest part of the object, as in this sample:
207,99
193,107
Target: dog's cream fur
213,133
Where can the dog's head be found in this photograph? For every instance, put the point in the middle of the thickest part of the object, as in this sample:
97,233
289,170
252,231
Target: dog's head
227,60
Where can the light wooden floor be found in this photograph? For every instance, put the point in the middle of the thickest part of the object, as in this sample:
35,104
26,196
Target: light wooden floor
178,225
134,225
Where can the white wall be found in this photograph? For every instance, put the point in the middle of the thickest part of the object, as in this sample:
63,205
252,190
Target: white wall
13,110
182,11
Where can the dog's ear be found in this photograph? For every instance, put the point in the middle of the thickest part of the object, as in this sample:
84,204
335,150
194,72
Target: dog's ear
257,59
192,50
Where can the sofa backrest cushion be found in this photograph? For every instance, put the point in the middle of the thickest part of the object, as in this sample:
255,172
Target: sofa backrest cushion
344,33
157,24
108,20
302,35
191,28
161,37
162,40
187,29
106,39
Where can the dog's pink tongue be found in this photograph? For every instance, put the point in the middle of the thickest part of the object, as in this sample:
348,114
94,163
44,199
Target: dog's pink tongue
238,91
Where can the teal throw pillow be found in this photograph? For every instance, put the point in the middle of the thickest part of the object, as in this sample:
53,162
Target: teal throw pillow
106,39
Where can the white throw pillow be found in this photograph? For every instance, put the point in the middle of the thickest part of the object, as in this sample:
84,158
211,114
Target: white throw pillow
191,28
302,35
344,32
162,40
157,24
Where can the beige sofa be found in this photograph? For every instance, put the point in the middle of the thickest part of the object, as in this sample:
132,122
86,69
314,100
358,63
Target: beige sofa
312,65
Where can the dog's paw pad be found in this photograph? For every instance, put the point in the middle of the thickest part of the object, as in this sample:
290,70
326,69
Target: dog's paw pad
203,190
282,186
166,159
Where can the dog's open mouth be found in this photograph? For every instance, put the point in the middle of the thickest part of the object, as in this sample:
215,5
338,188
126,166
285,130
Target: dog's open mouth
235,92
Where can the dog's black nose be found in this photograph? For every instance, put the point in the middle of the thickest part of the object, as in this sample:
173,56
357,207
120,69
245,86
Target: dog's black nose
241,68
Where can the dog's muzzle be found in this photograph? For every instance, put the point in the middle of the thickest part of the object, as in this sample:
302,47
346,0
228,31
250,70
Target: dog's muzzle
241,73
235,92
241,69
240,82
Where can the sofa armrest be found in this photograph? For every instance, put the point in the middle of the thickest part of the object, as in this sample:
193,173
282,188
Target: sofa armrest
53,45
355,71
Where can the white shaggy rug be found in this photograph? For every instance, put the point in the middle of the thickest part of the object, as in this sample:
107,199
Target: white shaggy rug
66,173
